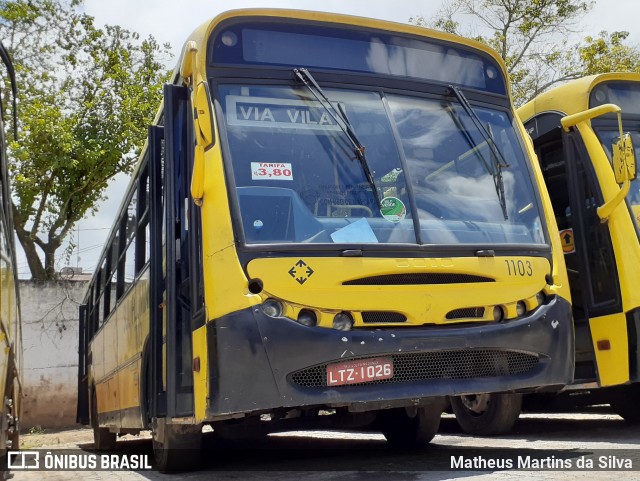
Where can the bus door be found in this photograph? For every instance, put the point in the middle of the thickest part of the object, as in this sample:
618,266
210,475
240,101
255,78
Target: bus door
174,257
588,251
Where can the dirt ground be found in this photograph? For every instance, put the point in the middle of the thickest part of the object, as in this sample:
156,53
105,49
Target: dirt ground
350,456
65,438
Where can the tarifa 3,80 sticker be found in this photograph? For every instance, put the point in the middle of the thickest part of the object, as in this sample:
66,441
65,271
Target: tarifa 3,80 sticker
393,209
271,171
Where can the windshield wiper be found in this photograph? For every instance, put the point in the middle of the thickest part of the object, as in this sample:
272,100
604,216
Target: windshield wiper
340,118
499,162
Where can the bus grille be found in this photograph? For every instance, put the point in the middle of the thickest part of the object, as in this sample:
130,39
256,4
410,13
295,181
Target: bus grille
419,278
466,364
466,313
370,317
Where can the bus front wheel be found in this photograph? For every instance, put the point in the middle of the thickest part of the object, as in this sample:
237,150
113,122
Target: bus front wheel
410,427
176,447
487,414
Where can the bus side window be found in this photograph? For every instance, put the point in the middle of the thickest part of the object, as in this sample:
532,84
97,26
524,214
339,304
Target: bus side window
142,232
130,241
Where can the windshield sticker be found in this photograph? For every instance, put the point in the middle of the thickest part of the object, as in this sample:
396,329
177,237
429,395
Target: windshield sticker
278,113
357,232
393,209
568,244
271,171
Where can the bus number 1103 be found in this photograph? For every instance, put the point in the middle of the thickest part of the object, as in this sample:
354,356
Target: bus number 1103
519,268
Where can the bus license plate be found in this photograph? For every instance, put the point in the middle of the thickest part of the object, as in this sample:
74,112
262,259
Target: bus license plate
363,370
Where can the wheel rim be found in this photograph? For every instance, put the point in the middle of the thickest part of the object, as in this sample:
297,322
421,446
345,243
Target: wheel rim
476,404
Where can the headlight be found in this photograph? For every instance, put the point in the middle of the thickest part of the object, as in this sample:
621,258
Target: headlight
342,322
271,308
307,318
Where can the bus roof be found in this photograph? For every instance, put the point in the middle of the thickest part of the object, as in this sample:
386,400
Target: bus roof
202,33
571,97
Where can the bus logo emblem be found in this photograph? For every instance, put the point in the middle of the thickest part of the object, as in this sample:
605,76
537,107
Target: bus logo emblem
301,272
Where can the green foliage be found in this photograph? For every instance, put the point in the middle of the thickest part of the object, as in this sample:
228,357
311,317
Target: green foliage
532,38
86,97
528,34
35,430
607,53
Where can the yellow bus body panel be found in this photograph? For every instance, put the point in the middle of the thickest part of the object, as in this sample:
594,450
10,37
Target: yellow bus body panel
613,364
116,350
200,377
226,286
421,304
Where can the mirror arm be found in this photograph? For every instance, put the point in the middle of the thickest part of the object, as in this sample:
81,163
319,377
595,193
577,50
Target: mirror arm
574,119
605,210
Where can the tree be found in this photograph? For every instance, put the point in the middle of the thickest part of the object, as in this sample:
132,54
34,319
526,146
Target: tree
530,35
86,97
607,53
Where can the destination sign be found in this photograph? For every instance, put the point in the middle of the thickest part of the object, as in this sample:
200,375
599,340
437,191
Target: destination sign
278,113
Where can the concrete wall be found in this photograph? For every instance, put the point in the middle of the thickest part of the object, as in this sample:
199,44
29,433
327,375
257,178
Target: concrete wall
50,360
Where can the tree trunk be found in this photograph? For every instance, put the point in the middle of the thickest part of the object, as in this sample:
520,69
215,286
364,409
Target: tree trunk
49,261
29,246
33,260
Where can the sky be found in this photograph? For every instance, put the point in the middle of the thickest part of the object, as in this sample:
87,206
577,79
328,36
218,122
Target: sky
173,20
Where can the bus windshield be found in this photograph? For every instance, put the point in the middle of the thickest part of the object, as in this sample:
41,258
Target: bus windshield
298,179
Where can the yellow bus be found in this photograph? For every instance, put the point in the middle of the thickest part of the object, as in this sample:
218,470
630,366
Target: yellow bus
574,129
335,222
10,327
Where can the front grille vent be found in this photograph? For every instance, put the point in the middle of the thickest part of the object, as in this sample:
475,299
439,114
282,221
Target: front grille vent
466,313
416,279
371,317
450,364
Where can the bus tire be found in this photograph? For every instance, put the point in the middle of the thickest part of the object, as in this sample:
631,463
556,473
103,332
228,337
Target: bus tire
410,427
176,447
103,439
625,403
487,414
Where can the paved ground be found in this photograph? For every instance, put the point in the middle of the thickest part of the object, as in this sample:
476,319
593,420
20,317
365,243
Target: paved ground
320,456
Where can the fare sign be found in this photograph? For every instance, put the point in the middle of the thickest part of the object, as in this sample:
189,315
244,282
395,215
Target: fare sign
362,370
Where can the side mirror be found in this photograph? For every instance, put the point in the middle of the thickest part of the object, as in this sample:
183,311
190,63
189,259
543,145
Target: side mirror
202,116
203,123
624,159
188,64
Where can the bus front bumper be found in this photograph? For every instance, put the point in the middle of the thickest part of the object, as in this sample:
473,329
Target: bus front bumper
258,363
